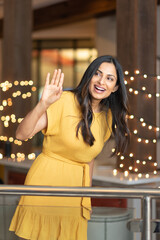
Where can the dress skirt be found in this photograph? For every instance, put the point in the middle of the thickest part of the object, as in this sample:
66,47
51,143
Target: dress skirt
53,218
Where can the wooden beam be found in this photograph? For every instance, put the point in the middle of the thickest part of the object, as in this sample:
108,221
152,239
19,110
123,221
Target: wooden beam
68,12
71,11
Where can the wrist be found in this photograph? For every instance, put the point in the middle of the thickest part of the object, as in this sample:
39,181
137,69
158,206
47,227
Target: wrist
44,105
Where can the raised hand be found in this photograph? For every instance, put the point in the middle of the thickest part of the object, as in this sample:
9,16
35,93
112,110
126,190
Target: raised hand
52,90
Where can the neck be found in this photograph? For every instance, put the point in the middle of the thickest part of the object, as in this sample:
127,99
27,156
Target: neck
95,106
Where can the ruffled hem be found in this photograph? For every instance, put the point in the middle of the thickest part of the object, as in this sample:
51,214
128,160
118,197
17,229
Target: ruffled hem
42,223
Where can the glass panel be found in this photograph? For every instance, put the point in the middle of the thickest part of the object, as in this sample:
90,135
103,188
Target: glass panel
83,58
67,64
49,62
105,223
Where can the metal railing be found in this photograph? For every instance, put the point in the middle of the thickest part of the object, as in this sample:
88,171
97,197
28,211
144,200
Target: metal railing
146,195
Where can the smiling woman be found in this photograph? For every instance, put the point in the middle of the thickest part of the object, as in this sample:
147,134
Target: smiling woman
75,124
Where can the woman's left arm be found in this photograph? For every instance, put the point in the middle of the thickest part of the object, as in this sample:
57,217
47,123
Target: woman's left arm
91,165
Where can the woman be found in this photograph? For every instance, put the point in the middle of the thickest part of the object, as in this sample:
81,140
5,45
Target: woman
75,125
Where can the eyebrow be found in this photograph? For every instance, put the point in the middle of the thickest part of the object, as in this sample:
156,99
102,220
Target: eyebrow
107,74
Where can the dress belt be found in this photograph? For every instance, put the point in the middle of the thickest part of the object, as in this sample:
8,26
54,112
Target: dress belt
86,201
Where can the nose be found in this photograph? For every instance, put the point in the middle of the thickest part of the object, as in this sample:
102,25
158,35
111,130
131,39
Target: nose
102,80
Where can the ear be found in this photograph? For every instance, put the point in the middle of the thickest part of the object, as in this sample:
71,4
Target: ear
115,88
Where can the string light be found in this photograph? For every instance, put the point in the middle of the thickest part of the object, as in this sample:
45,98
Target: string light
135,131
7,85
139,140
12,118
20,156
143,89
148,95
143,140
139,175
136,92
150,158
126,173
9,102
114,172
137,72
131,116
31,156
144,123
131,154
121,165
126,72
11,139
113,150
130,89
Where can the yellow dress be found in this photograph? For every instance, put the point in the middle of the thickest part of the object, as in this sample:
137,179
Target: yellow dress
63,162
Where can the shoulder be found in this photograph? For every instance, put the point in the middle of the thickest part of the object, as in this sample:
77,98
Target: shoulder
68,99
67,95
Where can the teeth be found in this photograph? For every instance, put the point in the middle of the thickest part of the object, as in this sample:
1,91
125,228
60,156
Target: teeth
101,89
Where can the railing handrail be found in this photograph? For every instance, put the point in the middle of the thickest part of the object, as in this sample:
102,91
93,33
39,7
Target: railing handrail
145,194
79,191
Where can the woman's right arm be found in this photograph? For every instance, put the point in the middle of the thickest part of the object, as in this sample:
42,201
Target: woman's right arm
36,120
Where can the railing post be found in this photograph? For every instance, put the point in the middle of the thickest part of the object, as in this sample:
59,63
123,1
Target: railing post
146,214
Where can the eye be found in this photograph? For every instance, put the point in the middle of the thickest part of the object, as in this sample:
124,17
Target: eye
97,74
110,78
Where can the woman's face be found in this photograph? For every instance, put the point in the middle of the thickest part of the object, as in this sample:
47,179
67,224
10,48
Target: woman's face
103,82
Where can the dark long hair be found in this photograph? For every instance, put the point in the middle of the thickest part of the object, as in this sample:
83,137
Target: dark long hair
117,102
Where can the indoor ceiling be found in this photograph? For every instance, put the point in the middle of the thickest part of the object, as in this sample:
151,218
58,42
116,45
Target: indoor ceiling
42,3
84,29
35,3
66,21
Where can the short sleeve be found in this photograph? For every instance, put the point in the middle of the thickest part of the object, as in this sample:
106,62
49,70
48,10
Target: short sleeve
109,126
54,113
